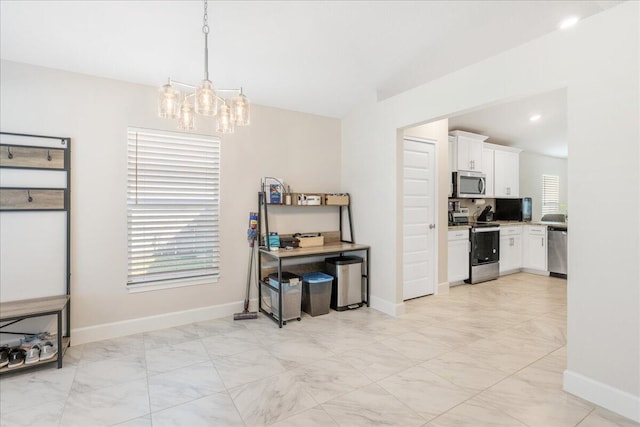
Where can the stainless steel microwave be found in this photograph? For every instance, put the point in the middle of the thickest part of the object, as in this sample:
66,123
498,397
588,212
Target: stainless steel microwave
469,184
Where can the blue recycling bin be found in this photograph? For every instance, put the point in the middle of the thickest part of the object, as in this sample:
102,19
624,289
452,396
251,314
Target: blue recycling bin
316,293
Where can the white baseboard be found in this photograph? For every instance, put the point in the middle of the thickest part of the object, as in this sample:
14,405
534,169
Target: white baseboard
613,399
388,307
516,270
443,288
538,272
152,323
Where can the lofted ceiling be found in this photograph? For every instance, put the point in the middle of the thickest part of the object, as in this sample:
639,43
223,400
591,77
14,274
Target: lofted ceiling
509,123
320,57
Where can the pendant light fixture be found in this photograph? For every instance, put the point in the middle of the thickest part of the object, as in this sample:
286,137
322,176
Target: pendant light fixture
203,99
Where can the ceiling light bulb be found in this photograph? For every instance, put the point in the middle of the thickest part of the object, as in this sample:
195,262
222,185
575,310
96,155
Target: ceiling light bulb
535,117
569,22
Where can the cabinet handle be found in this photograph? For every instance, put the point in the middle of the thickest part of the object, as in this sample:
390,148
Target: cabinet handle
542,241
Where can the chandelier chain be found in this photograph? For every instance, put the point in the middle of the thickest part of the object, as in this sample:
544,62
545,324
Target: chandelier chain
205,26
205,30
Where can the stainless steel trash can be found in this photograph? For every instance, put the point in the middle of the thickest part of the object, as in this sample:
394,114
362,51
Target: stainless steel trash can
346,292
291,289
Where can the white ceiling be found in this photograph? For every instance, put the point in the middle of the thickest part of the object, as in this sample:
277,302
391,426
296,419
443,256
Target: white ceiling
322,57
509,124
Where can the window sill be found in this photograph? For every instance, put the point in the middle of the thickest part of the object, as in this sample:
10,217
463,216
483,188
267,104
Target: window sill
171,284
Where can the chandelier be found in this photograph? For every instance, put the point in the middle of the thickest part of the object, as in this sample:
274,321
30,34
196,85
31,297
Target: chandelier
203,99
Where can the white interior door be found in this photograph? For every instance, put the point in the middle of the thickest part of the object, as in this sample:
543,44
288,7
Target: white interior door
419,233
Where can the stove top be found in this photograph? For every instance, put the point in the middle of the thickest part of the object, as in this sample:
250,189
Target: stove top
485,224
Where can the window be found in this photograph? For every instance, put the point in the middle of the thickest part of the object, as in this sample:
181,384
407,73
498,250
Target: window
173,200
550,194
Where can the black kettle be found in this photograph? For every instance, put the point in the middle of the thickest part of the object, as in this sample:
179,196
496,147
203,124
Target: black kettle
486,214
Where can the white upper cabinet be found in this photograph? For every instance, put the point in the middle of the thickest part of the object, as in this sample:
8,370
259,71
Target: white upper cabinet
506,178
466,151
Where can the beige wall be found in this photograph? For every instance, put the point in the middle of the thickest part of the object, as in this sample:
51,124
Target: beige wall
438,131
532,167
302,149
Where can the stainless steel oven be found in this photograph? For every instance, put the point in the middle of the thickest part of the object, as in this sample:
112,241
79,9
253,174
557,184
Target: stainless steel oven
484,258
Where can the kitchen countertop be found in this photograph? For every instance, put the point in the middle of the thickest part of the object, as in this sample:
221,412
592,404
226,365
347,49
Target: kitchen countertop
513,223
459,227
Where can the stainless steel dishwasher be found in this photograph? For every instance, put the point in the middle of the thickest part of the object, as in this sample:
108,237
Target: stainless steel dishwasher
557,251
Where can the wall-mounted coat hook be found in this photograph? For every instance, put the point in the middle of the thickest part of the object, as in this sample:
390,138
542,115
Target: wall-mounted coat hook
49,155
10,154
29,198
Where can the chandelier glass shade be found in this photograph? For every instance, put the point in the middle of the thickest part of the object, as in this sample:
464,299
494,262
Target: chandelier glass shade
206,100
203,99
168,102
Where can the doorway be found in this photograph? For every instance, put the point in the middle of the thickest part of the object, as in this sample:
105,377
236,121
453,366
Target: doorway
419,217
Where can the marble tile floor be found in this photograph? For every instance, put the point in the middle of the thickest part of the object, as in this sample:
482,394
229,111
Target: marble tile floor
490,354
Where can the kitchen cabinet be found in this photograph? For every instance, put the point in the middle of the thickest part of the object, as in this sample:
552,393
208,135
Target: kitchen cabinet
466,151
535,248
510,248
506,177
487,169
458,255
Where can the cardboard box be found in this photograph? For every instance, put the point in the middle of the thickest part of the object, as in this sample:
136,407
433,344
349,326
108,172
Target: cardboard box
336,199
307,242
308,199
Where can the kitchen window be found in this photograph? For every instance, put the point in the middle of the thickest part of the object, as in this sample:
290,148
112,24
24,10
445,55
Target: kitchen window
173,203
550,194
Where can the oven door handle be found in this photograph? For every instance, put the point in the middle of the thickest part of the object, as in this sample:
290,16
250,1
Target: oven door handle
485,229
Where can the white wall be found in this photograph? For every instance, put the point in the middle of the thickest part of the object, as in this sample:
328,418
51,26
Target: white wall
302,149
532,167
598,61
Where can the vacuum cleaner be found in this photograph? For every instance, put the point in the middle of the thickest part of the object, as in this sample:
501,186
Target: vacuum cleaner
252,234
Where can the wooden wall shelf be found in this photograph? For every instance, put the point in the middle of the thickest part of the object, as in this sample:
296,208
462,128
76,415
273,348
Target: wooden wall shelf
28,157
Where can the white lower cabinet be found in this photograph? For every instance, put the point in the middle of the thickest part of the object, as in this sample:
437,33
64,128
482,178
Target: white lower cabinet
458,255
510,248
535,248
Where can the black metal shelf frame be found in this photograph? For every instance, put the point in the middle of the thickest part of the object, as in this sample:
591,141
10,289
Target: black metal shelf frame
63,337
265,251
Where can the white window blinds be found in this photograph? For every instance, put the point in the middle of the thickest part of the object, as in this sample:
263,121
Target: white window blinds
550,194
173,199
